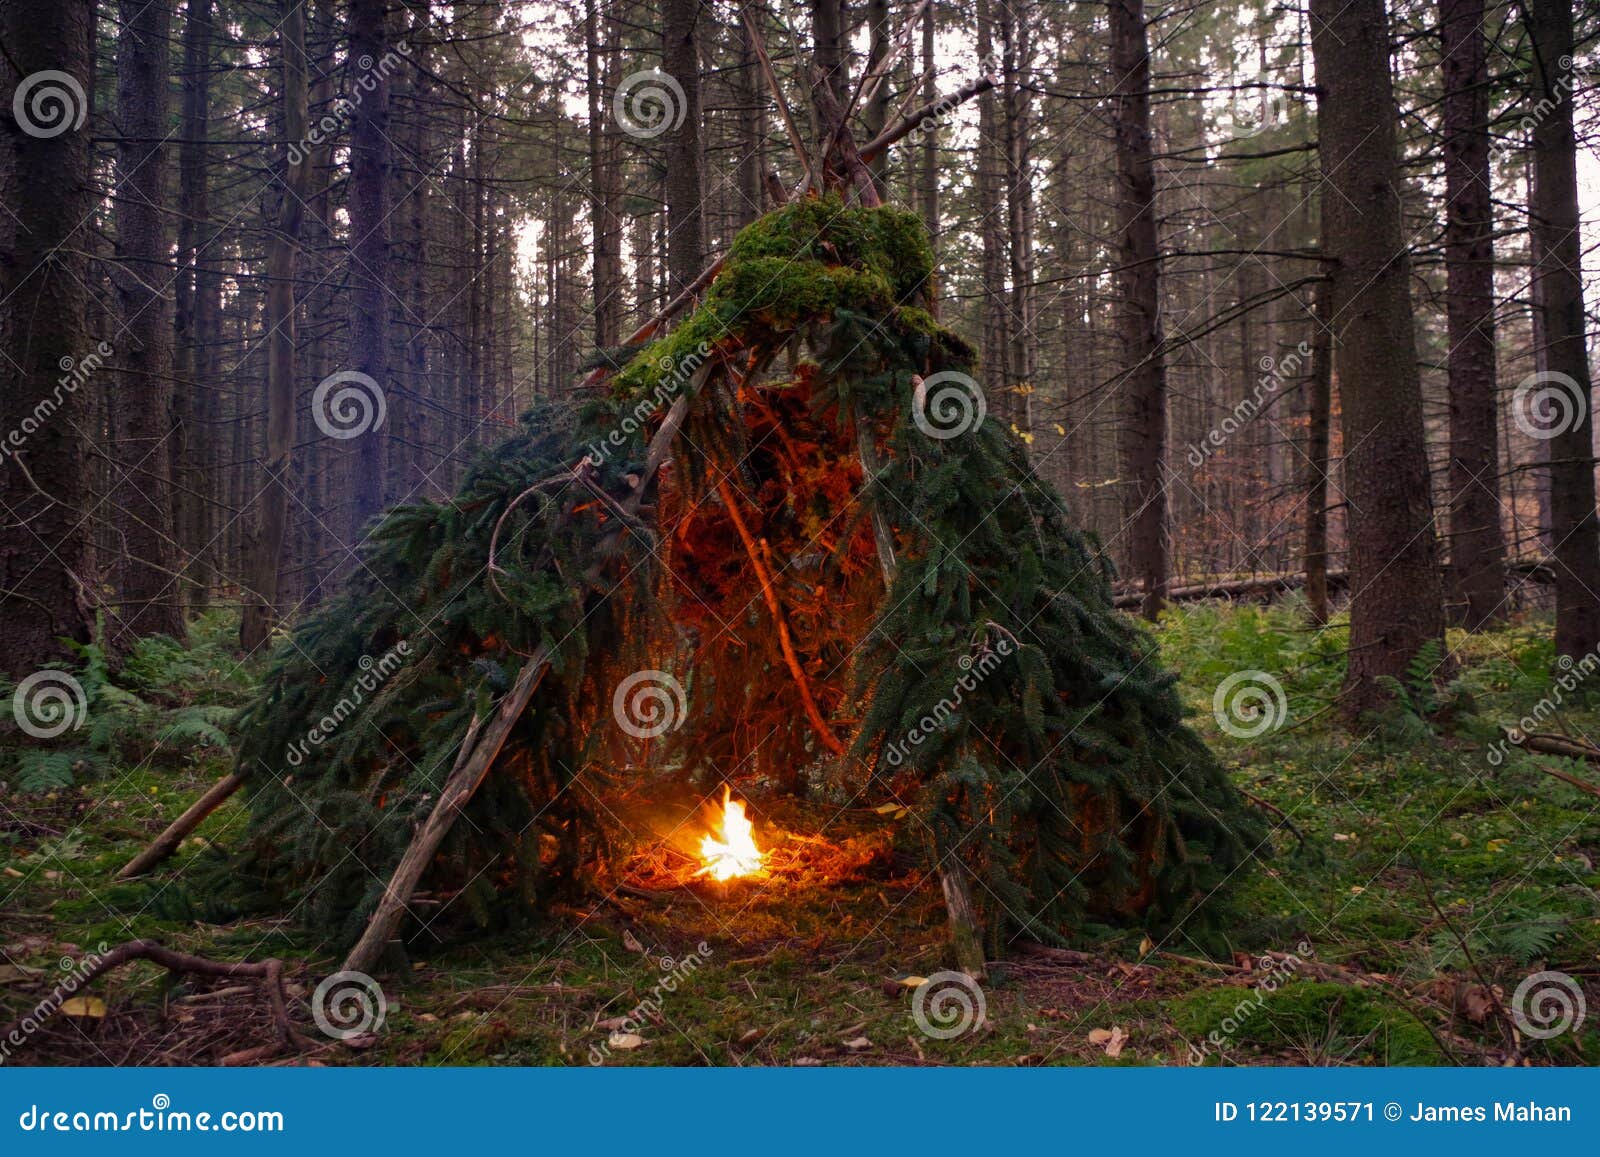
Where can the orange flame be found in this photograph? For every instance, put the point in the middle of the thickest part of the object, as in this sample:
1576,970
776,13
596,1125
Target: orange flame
735,854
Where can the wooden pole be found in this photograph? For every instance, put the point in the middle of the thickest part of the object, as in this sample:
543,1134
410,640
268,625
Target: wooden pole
479,748
167,842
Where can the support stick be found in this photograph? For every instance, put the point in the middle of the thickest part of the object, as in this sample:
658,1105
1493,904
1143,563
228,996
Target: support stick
167,842
472,764
769,592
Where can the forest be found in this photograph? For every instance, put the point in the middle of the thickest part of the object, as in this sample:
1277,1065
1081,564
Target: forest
799,532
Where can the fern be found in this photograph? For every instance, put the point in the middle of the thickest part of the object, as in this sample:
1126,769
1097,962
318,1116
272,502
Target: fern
41,771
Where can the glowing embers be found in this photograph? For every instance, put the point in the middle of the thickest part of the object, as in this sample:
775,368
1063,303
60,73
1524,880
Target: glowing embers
734,854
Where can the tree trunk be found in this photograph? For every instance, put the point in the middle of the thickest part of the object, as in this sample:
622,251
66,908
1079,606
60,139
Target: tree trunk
680,58
1575,533
272,516
929,175
191,355
367,88
989,184
1396,595
151,603
600,35
829,45
1016,106
1319,461
1144,378
1477,549
49,354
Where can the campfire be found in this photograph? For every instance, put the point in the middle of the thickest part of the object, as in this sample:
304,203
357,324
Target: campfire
735,854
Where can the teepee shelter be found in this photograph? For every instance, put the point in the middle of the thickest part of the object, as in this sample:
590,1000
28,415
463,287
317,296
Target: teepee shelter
782,544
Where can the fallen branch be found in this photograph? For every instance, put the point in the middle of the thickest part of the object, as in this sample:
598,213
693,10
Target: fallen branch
1560,745
269,972
1267,805
167,842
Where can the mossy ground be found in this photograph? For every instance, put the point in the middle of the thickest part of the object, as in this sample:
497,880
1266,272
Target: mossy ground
1418,852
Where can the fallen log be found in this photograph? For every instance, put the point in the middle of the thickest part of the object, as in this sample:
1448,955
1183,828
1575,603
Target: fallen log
1546,744
1265,586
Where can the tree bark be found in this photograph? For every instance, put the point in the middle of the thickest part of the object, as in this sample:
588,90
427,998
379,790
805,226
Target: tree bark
929,175
1477,548
600,36
1319,461
150,599
1144,446
1575,532
686,228
44,482
1396,600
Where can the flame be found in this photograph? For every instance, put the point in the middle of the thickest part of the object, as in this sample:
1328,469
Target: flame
735,854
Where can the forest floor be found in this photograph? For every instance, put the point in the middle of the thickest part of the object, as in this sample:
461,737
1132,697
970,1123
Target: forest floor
1418,870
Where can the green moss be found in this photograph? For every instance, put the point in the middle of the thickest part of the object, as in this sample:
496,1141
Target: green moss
1319,1022
801,263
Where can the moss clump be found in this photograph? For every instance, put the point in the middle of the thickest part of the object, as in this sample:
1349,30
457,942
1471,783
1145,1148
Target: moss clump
1321,1021
801,264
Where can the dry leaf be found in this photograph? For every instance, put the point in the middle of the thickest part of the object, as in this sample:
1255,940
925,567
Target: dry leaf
17,973
84,1006
611,1022
1111,1039
631,942
625,1040
858,1044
